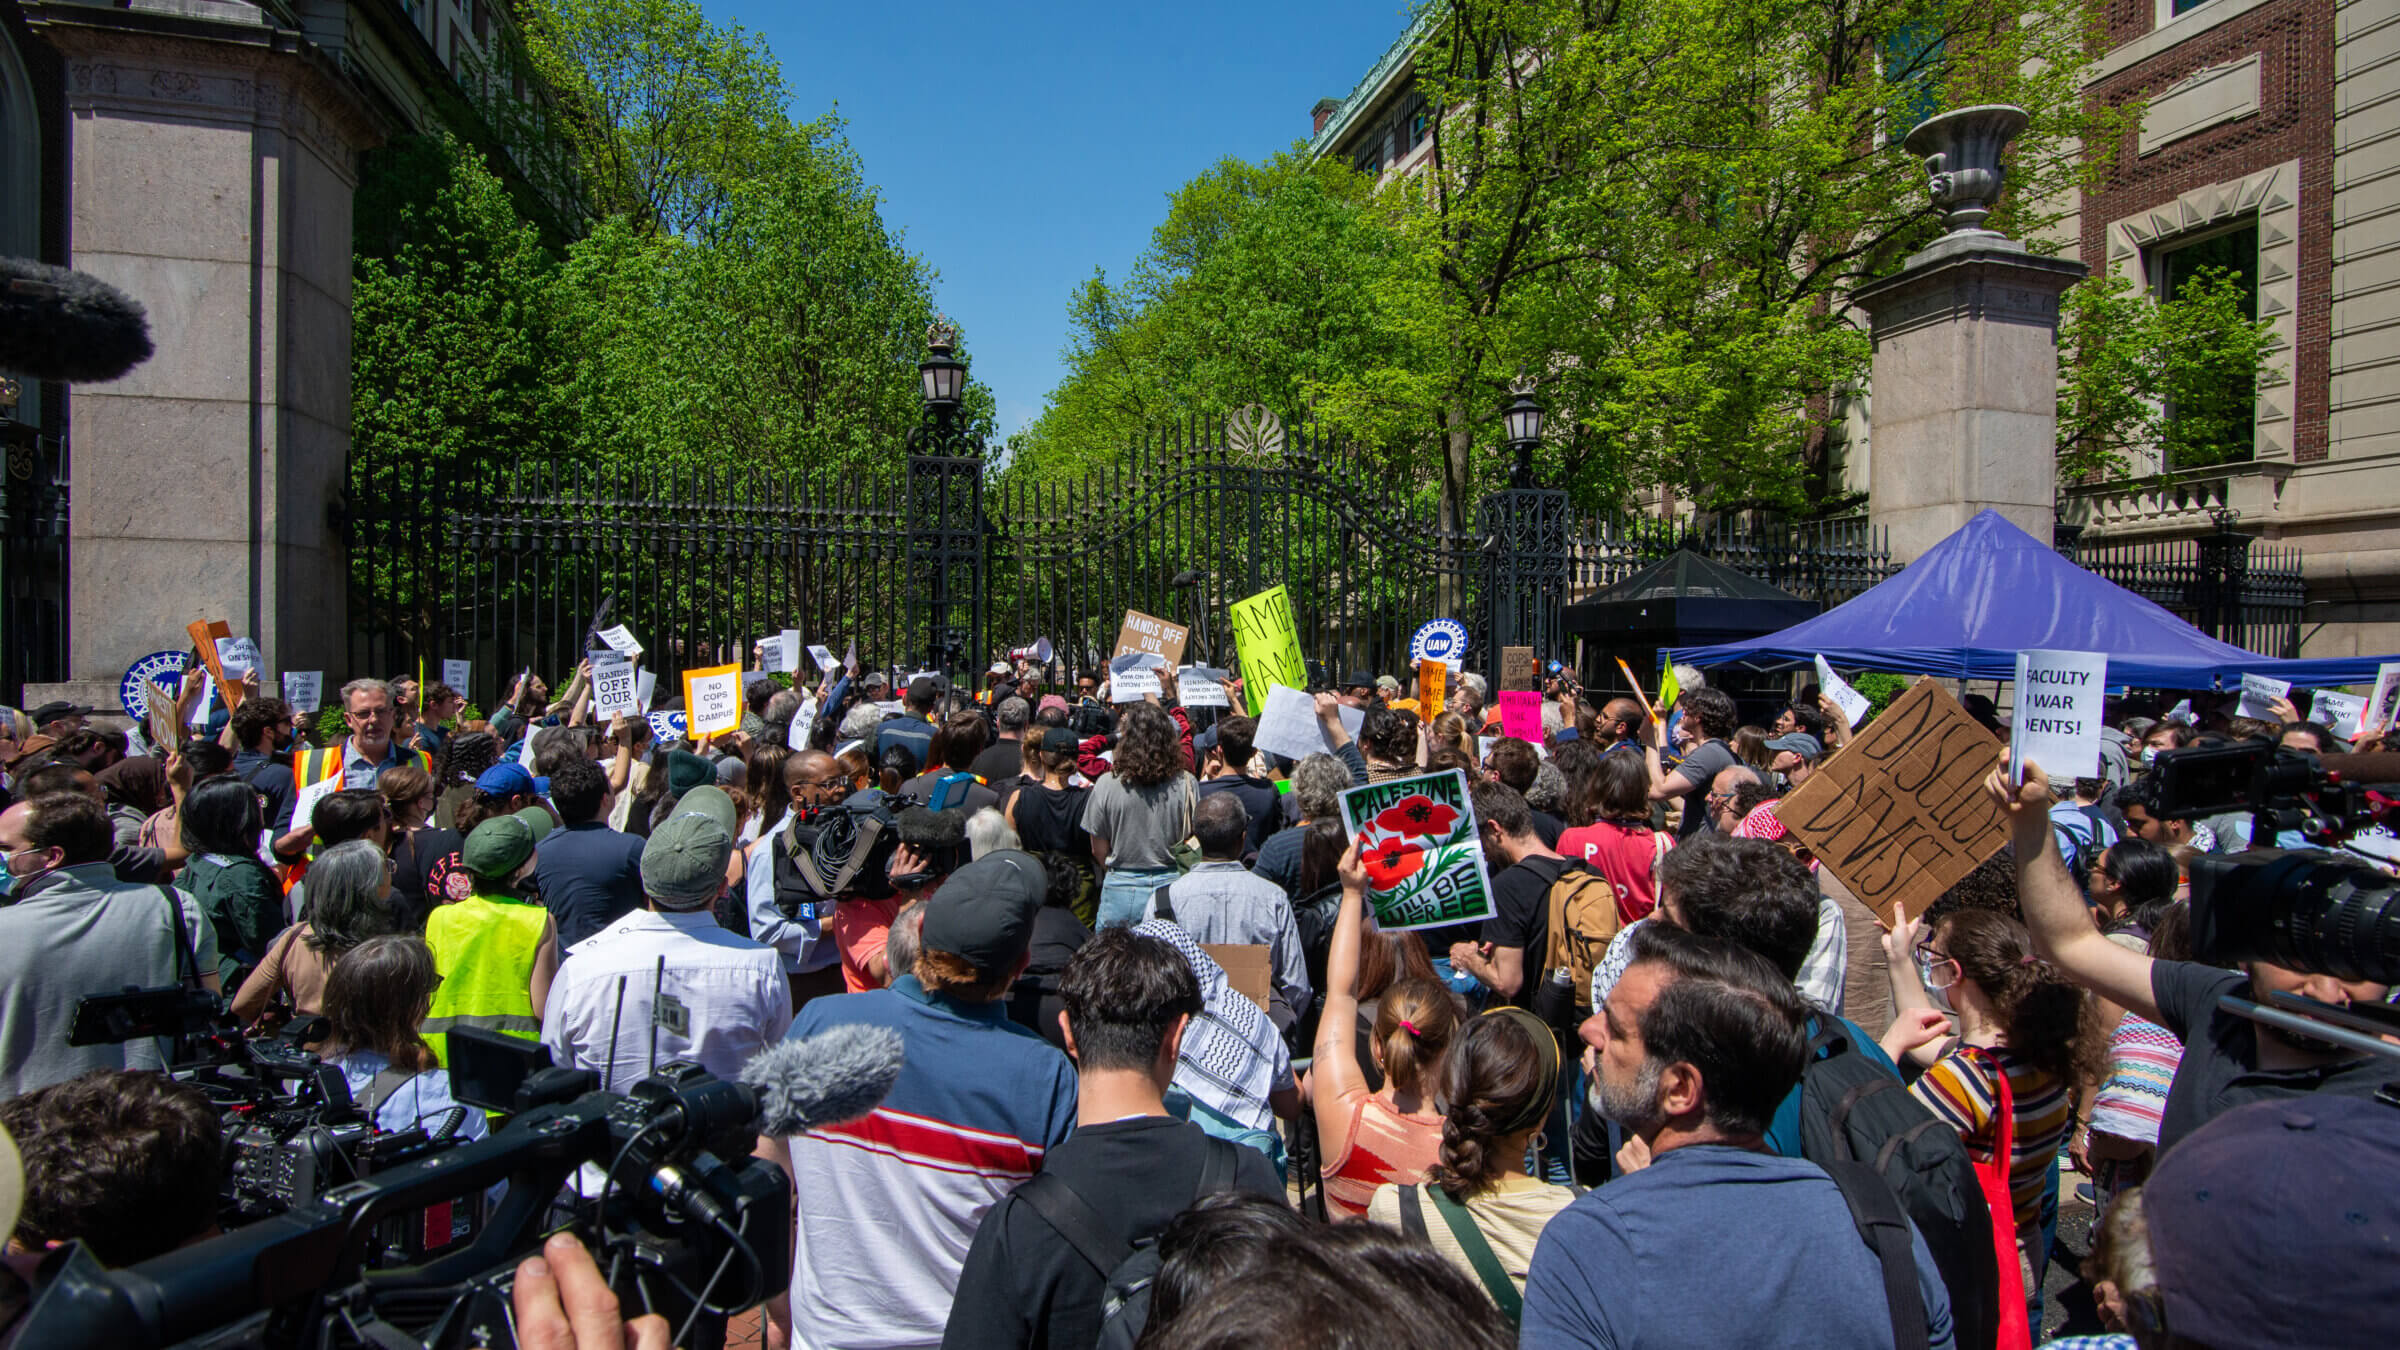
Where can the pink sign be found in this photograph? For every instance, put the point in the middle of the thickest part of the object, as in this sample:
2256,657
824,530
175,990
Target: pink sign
1521,714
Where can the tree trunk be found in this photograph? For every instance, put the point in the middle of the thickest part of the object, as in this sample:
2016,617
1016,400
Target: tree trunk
1458,440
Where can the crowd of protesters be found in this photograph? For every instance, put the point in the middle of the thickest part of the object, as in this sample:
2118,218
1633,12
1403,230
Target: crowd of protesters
1652,1100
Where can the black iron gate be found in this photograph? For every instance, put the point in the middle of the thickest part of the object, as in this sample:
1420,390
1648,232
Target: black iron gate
33,555
942,561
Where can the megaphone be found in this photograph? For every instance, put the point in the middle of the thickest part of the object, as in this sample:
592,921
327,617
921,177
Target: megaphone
1039,651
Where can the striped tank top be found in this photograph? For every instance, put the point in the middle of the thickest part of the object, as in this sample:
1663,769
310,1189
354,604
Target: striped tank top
1959,1089
1385,1147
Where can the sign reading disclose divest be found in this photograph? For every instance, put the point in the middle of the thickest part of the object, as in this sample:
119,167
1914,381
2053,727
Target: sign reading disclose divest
1900,814
1269,644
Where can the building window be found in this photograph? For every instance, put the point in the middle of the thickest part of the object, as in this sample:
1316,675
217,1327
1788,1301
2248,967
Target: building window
2212,422
2176,7
1912,60
1420,125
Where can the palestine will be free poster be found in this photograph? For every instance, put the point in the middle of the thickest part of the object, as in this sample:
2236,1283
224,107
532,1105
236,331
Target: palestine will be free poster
1423,854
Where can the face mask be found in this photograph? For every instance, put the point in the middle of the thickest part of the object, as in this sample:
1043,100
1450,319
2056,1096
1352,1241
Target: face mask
2149,754
8,887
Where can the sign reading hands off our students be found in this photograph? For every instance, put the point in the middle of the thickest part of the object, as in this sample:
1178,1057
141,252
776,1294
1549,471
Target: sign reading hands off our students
1900,814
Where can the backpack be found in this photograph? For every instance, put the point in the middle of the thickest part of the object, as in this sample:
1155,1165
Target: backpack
2088,847
1130,1265
845,856
950,790
1583,918
1853,1112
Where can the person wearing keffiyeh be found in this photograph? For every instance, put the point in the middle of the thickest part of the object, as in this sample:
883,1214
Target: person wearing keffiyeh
1233,1066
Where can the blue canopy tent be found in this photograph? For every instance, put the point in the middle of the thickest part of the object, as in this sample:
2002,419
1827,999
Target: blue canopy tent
1973,601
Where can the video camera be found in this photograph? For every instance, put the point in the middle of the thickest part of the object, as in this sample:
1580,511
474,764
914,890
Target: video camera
685,1224
2308,909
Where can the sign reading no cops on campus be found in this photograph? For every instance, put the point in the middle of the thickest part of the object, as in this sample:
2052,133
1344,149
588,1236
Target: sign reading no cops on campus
712,700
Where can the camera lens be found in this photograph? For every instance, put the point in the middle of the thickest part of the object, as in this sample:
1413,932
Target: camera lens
2306,911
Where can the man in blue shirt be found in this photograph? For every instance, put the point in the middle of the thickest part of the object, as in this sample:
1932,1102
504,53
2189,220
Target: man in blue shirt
1713,1240
590,876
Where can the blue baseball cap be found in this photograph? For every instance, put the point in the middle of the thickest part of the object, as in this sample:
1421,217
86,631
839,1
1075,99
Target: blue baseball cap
509,778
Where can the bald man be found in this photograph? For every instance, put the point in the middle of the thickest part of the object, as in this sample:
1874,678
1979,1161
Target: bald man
800,928
1620,726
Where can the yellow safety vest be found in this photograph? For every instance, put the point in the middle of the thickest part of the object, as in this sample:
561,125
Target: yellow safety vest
484,948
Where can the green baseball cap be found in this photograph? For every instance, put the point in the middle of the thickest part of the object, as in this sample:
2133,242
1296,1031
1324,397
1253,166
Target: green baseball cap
497,847
710,801
683,865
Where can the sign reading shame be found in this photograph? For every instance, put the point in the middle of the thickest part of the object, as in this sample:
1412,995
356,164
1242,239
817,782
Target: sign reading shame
2055,723
1268,643
1900,813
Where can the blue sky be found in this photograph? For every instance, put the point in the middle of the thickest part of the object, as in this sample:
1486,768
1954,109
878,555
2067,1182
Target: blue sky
1019,146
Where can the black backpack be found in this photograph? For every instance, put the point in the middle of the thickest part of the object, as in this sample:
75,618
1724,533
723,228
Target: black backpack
1130,1265
1853,1112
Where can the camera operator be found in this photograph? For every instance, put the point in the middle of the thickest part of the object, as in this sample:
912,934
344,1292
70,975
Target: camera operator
129,1163
72,929
2227,1060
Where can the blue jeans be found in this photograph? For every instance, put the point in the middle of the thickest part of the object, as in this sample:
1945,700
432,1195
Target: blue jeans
1125,895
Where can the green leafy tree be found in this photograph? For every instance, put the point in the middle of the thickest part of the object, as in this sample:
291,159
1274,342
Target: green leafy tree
2174,383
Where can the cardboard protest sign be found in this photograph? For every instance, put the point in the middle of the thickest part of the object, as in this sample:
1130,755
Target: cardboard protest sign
303,689
1517,668
1900,814
1288,724
1521,714
712,700
459,675
2384,703
2259,691
621,640
1202,687
1146,633
2056,720
158,718
1268,643
1247,968
2339,712
1422,853
205,634
1433,682
1854,705
614,691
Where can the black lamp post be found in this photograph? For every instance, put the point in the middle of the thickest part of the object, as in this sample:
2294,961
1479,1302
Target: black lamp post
1524,421
941,377
944,492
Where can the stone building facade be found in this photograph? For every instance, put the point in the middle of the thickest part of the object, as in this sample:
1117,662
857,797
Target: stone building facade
2270,137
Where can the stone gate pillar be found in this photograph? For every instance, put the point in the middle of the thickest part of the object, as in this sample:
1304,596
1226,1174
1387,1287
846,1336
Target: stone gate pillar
1965,375
211,157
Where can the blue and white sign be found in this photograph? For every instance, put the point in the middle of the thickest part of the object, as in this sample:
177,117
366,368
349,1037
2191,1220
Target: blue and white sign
667,726
1443,640
164,667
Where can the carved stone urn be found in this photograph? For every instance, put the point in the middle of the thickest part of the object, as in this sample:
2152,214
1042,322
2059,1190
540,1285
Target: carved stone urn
1961,151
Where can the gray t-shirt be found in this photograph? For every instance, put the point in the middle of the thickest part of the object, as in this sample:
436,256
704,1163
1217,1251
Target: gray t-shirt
85,933
1142,825
1700,768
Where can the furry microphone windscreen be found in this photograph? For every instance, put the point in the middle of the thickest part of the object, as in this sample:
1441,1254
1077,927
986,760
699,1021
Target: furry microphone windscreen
825,1079
57,324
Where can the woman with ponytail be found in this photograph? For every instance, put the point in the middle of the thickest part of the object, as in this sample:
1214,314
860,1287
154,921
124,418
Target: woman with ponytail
1392,1133
2024,1037
1480,1208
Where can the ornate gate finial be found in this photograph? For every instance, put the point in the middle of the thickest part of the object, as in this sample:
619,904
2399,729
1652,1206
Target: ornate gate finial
1253,432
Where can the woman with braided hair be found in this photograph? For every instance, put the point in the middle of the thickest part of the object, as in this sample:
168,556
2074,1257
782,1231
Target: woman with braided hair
1480,1207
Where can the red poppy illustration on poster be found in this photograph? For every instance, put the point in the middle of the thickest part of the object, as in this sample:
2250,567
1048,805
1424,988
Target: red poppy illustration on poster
1423,855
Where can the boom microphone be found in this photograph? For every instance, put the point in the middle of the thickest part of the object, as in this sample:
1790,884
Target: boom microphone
826,1079
57,324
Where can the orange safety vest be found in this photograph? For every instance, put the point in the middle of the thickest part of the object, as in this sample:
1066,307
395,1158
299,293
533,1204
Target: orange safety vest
315,766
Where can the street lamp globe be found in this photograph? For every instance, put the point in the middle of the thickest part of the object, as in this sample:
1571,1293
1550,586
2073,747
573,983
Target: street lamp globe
943,377
1524,418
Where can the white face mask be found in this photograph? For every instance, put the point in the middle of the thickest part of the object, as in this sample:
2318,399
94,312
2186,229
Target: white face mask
2149,754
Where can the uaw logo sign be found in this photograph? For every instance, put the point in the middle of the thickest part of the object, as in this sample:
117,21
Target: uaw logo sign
1443,640
164,667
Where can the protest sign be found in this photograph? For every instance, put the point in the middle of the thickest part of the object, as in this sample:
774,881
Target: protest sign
1854,705
787,645
302,689
2384,703
614,691
803,722
166,668
1132,685
2056,720
158,717
304,805
712,700
1422,852
1268,643
827,663
1202,687
205,634
208,695
1248,968
770,653
238,656
1433,681
2258,693
1146,633
2182,712
1521,714
621,640
1443,640
459,675
1900,814
2339,712
1516,668
1288,726
645,684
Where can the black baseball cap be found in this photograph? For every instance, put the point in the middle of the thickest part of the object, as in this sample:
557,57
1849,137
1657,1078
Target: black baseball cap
984,913
51,712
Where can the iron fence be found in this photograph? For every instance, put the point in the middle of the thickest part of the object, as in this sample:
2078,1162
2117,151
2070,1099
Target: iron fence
2227,584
